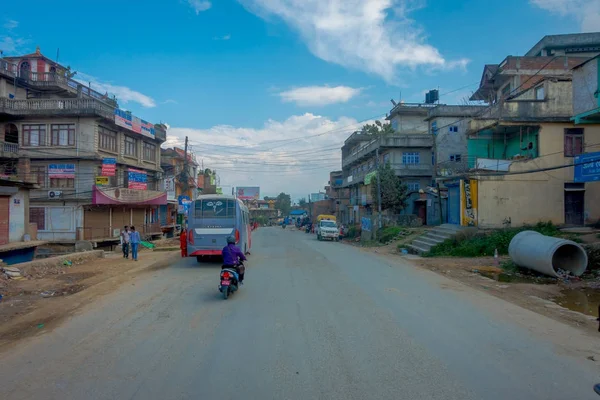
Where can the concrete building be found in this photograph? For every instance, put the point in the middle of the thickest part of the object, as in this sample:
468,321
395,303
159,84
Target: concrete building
527,129
97,167
408,151
586,92
579,44
173,166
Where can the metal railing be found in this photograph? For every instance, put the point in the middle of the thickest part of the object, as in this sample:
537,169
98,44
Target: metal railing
10,148
56,106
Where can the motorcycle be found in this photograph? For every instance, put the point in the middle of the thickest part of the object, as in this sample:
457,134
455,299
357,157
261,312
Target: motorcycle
230,280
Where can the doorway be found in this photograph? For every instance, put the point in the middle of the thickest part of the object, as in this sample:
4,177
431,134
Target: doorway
574,204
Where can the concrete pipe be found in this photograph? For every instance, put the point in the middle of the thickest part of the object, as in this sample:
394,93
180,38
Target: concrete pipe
546,254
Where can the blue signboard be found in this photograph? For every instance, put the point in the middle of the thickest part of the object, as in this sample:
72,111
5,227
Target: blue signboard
587,167
365,224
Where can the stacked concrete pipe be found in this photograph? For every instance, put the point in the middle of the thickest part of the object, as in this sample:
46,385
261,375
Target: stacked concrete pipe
546,254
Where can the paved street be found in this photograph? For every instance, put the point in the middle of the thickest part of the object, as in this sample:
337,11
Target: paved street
315,320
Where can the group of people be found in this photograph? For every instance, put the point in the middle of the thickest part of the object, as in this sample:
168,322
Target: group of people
130,238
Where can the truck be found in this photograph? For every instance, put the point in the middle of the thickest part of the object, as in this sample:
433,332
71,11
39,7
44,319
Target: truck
327,228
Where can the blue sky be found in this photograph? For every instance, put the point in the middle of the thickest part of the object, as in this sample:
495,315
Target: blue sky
245,73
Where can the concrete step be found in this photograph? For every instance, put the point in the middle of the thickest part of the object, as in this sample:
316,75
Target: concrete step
415,249
445,230
424,240
451,227
437,237
423,243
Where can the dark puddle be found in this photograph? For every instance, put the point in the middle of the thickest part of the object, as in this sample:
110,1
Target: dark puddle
518,278
583,300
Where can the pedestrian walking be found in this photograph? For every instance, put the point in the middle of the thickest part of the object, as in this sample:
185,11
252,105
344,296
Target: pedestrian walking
125,241
134,239
183,243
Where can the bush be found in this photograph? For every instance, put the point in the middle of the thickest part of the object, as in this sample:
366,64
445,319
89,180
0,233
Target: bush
389,233
352,232
593,253
484,244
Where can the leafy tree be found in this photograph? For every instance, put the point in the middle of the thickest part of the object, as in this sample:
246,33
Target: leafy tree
377,129
302,202
393,192
283,202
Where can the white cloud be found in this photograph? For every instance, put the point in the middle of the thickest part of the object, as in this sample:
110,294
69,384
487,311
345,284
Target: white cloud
11,24
586,12
319,95
376,36
169,101
12,45
272,156
200,5
123,93
225,37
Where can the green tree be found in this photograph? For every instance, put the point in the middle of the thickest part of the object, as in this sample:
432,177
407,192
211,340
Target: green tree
302,202
393,192
377,129
283,202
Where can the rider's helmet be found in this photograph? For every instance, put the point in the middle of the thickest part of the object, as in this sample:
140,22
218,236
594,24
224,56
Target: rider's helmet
230,240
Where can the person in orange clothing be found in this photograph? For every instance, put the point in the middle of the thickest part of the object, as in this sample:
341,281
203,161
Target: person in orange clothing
183,243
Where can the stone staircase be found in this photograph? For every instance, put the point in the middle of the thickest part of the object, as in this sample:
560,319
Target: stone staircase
437,235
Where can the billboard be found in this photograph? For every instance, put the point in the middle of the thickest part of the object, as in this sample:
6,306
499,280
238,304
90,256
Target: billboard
248,193
587,167
170,188
137,179
61,171
468,202
109,166
133,123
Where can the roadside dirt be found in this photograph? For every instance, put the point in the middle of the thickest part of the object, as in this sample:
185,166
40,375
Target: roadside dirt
539,297
33,306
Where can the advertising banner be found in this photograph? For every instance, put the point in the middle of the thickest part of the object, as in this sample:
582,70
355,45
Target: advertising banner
170,188
109,166
61,170
248,193
102,195
137,179
468,202
133,123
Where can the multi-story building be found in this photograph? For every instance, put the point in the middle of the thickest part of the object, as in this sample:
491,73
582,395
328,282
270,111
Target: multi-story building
180,186
408,151
97,167
520,149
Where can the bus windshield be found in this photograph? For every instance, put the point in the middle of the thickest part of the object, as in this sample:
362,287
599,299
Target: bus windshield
214,208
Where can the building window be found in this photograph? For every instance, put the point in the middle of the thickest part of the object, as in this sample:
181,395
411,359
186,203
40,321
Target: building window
456,157
395,124
39,174
573,142
411,158
149,151
63,134
434,128
34,135
386,158
37,215
540,93
453,128
130,146
107,139
62,183
413,186
433,158
506,91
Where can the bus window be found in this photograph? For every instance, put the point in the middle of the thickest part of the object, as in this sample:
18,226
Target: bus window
214,208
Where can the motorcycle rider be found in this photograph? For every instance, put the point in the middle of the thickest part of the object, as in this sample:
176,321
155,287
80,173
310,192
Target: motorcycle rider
231,256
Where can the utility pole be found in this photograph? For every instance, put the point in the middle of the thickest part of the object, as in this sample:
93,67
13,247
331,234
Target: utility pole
184,174
378,189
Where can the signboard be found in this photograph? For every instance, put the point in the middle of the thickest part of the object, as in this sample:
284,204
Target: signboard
102,180
170,188
248,193
137,179
133,123
61,171
109,166
587,167
468,202
219,190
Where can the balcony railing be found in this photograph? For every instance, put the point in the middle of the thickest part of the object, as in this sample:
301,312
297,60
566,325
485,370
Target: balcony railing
56,106
395,141
10,148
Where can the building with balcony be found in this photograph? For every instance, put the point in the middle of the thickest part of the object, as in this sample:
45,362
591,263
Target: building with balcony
97,167
173,165
522,148
586,92
408,151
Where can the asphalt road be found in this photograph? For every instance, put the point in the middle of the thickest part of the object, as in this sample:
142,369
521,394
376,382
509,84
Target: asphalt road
315,320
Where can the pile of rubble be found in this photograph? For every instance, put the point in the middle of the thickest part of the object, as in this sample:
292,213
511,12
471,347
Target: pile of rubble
10,272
